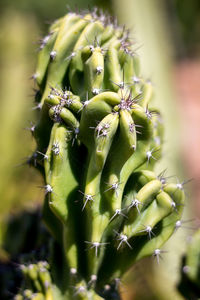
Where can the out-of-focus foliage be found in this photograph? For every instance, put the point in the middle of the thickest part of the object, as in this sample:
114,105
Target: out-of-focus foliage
15,110
184,19
26,239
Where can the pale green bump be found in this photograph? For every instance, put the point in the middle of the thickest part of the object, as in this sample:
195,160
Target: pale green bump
63,47
44,56
90,33
113,71
94,72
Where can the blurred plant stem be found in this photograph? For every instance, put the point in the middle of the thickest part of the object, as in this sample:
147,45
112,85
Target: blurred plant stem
17,186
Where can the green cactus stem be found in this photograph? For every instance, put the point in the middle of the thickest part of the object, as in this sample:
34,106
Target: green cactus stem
97,143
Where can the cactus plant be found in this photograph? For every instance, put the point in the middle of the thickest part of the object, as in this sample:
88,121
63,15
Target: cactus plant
97,143
189,284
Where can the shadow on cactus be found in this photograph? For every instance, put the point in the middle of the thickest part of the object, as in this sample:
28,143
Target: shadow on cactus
97,143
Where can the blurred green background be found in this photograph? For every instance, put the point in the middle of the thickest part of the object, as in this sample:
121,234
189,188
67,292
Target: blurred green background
166,34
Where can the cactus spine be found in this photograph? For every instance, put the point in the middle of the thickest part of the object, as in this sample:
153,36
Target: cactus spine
97,143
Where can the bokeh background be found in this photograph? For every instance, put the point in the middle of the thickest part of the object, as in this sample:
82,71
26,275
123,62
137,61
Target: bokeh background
167,37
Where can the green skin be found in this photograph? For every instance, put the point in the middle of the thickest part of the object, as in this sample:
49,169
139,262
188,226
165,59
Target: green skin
100,142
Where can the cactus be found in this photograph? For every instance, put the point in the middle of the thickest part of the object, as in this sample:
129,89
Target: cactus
189,284
97,144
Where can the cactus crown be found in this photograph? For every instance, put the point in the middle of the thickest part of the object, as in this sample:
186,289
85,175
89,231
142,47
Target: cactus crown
97,143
